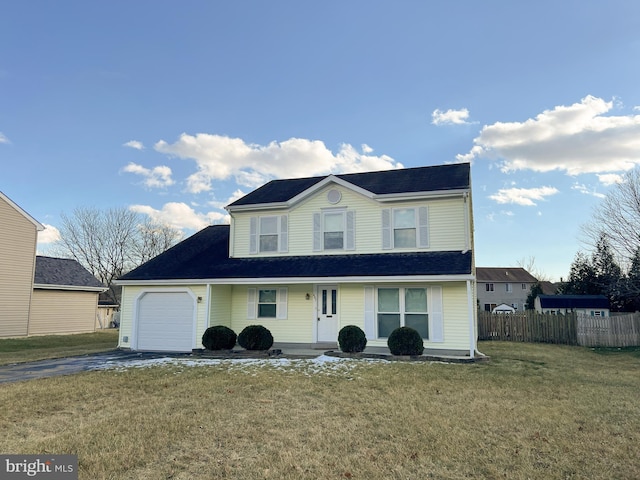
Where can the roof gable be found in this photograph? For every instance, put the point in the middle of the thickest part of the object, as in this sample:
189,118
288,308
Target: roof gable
407,181
63,272
37,224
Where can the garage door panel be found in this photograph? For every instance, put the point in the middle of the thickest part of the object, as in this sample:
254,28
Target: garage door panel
165,321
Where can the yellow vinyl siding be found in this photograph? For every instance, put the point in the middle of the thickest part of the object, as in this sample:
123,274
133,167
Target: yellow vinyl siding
296,328
351,305
60,311
18,238
220,306
447,229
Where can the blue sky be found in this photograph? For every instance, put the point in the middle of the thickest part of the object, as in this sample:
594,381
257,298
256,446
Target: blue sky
174,109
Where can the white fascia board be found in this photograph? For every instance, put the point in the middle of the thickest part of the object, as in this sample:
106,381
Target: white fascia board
394,197
37,224
305,280
75,288
302,195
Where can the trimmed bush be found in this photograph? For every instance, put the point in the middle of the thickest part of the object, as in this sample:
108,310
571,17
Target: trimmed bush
405,341
219,338
352,339
255,337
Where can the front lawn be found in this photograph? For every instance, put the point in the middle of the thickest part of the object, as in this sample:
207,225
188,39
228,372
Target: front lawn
533,411
28,349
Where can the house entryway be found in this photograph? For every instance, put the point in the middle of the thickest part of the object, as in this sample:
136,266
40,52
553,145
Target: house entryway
327,309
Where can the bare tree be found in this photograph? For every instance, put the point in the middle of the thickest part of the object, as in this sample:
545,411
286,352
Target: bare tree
617,219
110,243
529,264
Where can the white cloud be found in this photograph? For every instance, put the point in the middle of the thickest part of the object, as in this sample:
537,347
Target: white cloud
134,144
523,196
582,188
576,139
157,177
450,117
180,215
608,179
50,234
3,139
507,213
219,158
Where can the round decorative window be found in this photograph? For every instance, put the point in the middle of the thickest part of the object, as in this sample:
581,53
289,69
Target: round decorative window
334,196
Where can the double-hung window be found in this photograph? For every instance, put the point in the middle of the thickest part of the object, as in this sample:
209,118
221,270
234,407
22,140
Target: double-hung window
267,302
405,227
402,307
268,234
334,229
509,288
488,287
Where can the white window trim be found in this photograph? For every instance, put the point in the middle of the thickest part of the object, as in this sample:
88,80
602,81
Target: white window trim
434,310
281,303
421,227
348,232
282,232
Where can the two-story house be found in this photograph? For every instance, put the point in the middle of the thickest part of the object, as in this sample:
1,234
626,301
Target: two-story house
305,257
503,286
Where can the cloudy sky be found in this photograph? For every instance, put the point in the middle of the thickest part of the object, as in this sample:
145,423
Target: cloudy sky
175,109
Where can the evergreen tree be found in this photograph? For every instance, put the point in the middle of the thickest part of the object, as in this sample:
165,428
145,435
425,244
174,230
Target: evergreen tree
536,290
608,274
582,277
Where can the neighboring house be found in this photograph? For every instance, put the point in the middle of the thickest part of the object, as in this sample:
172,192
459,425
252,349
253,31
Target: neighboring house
40,295
18,239
593,305
549,288
65,297
305,257
503,285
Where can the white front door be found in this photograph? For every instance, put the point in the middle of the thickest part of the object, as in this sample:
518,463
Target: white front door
327,313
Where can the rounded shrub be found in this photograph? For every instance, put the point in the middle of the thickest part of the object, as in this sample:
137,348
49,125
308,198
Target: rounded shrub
405,341
255,337
352,339
219,338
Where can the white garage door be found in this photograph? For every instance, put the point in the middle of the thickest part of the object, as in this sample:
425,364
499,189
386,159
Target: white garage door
165,321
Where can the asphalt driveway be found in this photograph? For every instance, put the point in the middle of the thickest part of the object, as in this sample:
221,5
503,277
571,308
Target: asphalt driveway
69,365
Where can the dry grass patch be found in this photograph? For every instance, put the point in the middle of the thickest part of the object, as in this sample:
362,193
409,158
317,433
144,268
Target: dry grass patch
29,349
534,411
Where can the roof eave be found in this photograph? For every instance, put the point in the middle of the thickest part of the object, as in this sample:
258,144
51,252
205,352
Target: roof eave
46,286
302,280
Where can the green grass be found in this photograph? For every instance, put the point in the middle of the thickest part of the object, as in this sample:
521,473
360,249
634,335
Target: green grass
13,350
531,412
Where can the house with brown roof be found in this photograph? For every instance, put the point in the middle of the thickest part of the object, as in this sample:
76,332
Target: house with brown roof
508,286
40,295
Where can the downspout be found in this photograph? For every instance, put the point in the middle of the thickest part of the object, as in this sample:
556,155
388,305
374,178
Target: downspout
472,328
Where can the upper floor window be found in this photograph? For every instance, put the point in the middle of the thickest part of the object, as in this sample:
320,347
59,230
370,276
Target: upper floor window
524,286
334,230
509,288
268,234
405,228
488,287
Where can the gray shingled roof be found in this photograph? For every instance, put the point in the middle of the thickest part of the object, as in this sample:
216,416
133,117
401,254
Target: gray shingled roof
420,179
205,255
504,274
63,272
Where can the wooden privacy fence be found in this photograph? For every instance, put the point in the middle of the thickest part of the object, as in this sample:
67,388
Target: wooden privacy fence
528,326
570,329
618,331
